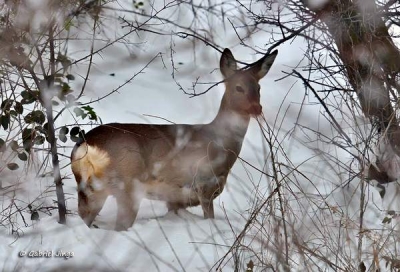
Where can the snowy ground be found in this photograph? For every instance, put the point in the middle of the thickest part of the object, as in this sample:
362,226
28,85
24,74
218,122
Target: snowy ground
161,241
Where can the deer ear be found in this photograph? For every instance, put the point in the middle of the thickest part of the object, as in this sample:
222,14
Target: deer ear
261,67
227,64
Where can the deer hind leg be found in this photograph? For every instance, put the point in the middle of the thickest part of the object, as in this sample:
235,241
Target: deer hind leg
89,205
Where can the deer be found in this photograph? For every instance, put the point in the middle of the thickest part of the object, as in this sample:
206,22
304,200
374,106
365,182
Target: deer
181,164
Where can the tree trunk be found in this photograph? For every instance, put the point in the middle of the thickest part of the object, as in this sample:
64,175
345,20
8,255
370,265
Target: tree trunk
369,56
56,166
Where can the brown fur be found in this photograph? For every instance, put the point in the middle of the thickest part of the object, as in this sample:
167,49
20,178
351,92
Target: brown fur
184,165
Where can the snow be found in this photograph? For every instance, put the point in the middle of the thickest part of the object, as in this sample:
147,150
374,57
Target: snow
165,241
154,244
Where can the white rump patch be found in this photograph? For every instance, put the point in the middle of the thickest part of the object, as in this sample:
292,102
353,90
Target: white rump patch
89,161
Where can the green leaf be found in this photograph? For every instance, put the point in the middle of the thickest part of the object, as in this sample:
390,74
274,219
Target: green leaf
62,58
58,80
27,136
65,62
92,114
71,99
6,105
138,4
14,146
250,266
36,116
78,112
386,220
41,130
26,94
74,139
2,145
12,166
29,97
35,215
74,131
5,121
381,190
62,138
27,133
46,127
22,156
63,132
39,140
68,24
65,88
87,108
13,113
27,144
29,118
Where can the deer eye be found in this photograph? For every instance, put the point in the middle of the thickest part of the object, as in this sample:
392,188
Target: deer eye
239,89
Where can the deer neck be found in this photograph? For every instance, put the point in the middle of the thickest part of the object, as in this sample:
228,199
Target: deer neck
230,126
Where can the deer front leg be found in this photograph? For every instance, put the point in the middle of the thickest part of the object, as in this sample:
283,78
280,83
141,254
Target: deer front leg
208,207
127,210
208,190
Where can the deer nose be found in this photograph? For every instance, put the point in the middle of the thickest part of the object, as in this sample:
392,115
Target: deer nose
256,109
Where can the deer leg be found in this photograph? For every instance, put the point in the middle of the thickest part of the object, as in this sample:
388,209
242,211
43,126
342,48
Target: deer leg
172,206
208,207
175,206
206,200
127,210
208,191
90,205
